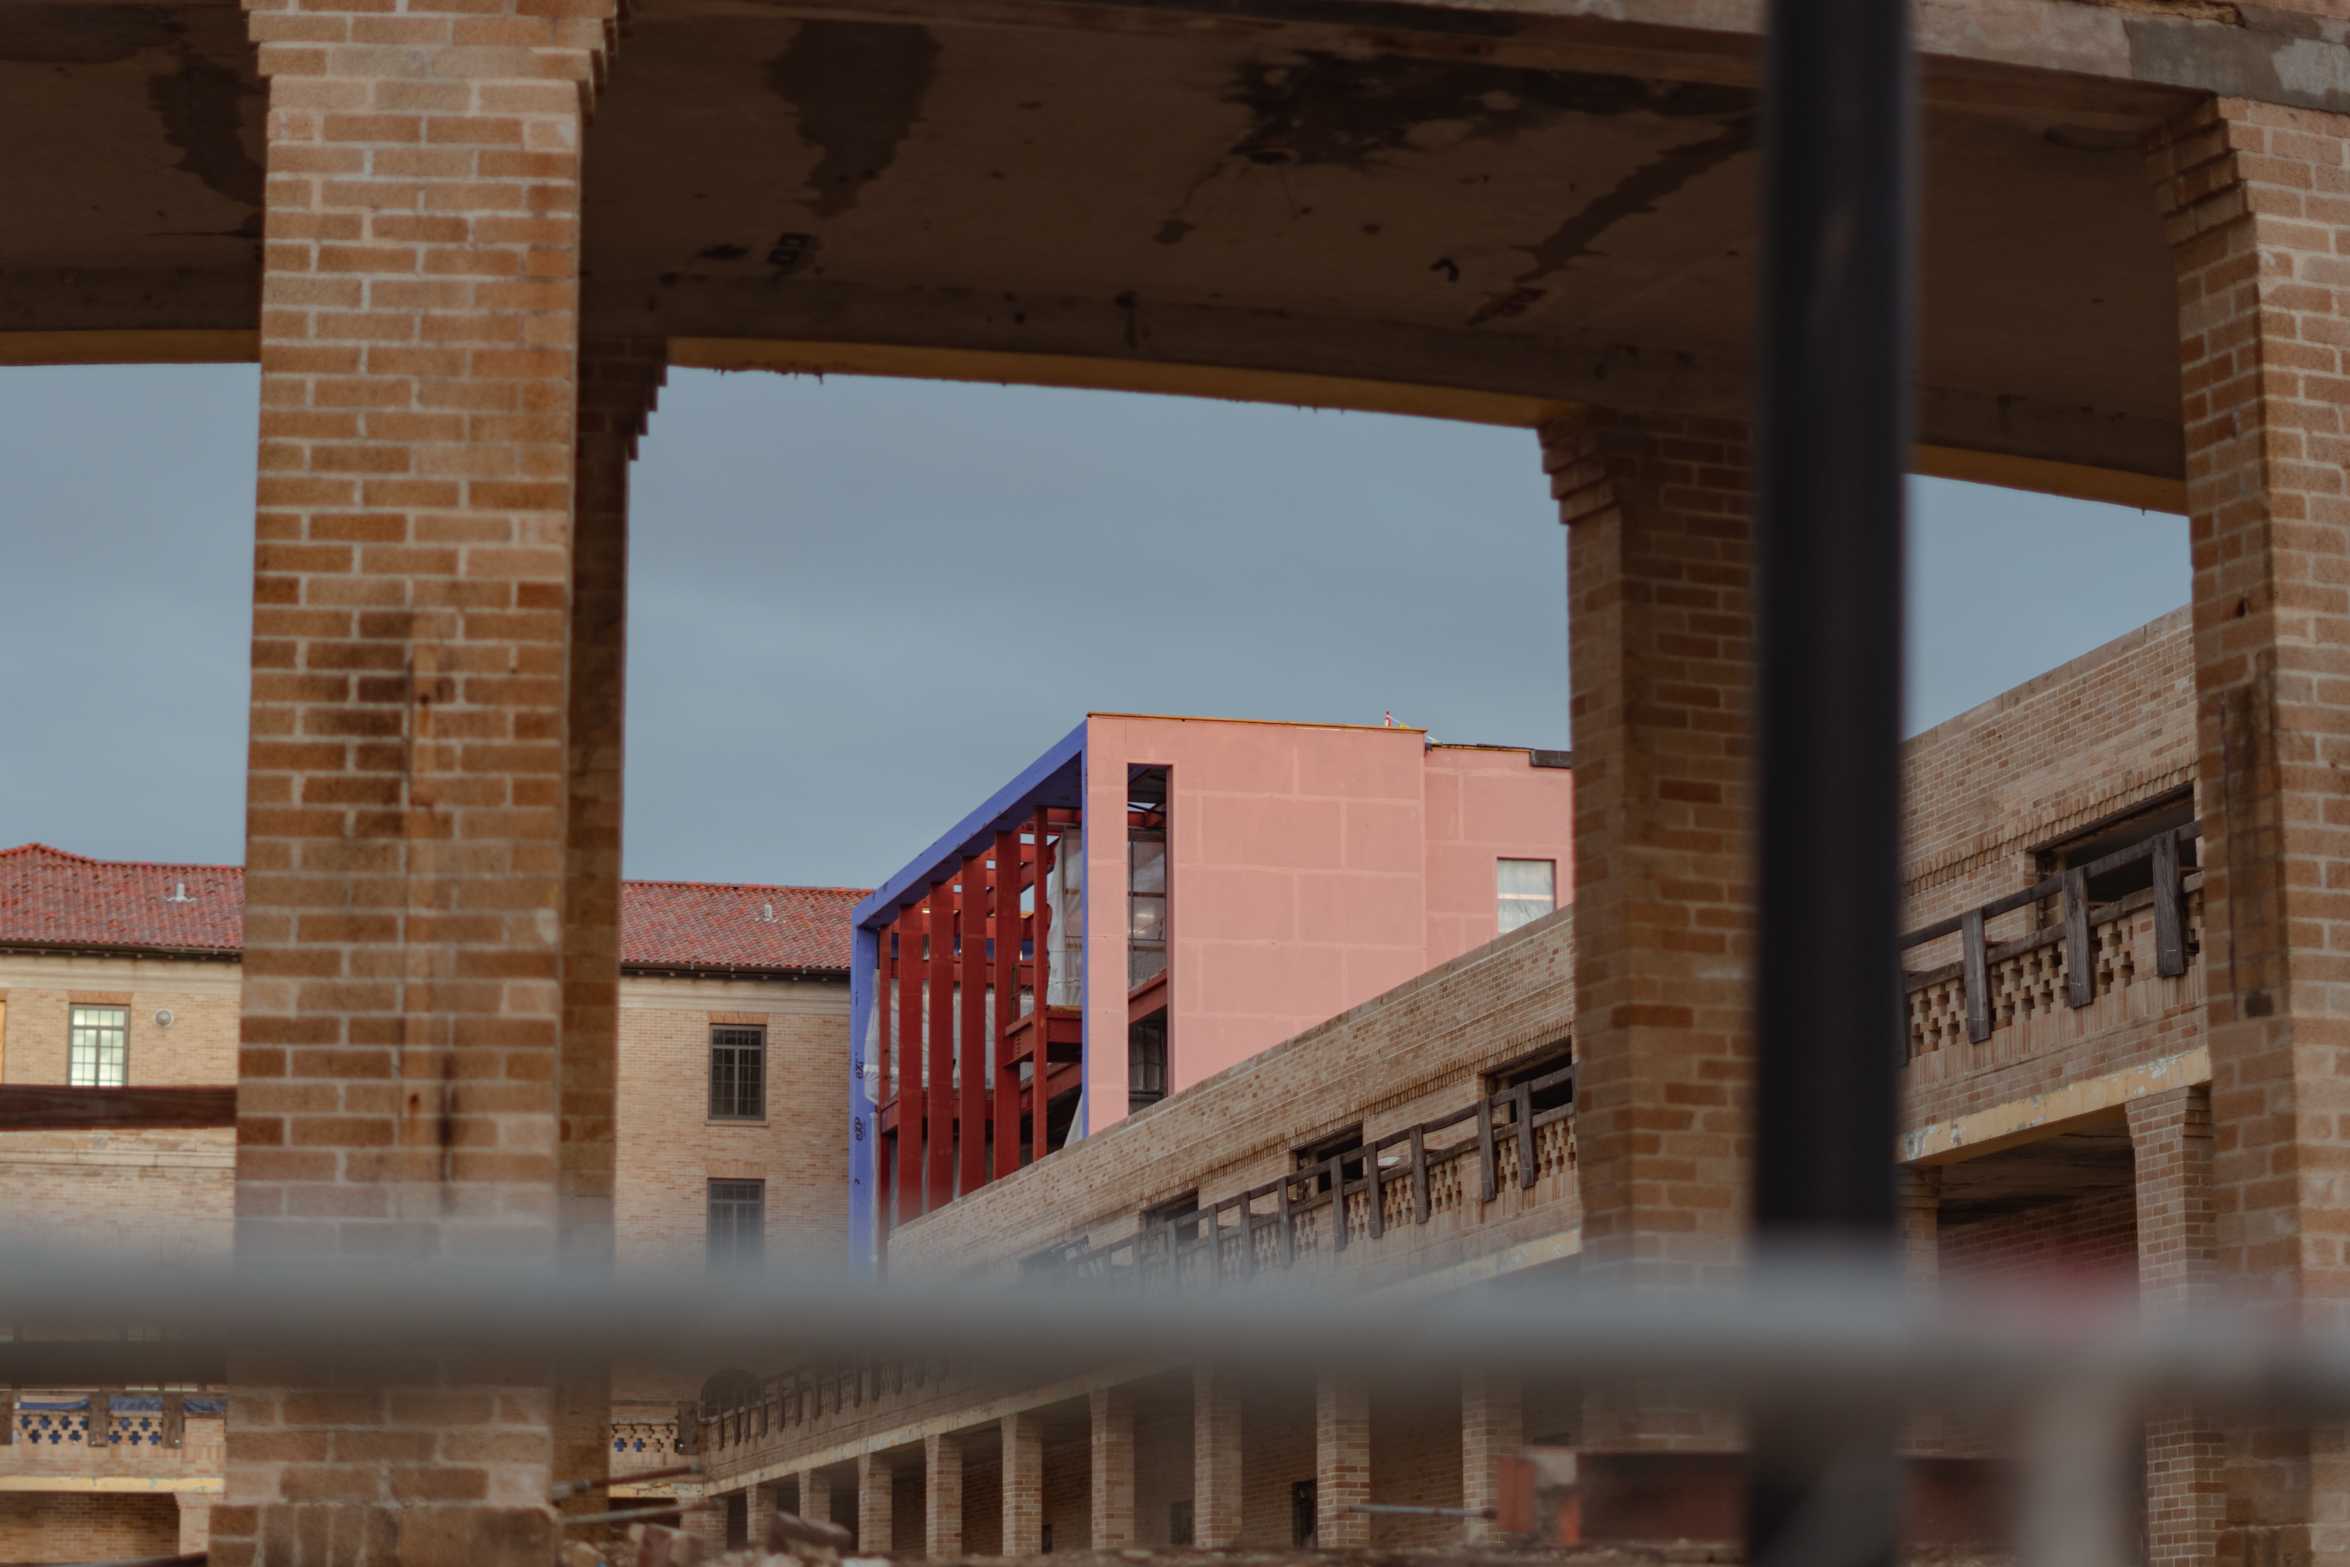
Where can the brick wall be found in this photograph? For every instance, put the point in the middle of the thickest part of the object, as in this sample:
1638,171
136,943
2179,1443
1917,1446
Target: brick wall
45,1526
198,1046
2092,1237
2088,738
670,1149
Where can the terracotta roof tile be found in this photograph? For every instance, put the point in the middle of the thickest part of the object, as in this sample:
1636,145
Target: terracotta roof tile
49,898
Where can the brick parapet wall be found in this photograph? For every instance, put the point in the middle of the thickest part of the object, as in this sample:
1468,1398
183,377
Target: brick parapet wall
2094,736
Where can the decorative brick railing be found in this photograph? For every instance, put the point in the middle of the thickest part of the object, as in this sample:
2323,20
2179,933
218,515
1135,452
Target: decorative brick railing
643,1444
1407,1178
2090,951
101,1419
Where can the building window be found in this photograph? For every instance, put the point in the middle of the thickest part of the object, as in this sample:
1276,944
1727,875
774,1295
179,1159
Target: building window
2136,825
1302,1510
738,1223
1523,891
1175,1222
1146,875
1544,1069
738,1073
100,1047
1316,1156
1146,1062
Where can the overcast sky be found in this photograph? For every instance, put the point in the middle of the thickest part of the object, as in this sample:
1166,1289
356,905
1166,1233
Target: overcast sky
860,605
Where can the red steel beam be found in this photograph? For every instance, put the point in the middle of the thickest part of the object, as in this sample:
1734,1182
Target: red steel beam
910,926
942,1047
1005,924
971,1114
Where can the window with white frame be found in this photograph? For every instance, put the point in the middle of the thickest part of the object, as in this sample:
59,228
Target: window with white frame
99,1047
1523,891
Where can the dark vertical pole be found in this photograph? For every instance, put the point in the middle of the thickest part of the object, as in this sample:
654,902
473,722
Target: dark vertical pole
1833,422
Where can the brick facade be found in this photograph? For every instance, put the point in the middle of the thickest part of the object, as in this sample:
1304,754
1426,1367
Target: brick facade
40,1526
2253,198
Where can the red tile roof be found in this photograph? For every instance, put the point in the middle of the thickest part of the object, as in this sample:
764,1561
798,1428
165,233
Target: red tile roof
49,898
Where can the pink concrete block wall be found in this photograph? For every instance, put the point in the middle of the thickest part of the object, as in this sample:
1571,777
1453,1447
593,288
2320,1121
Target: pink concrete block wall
1487,804
1310,869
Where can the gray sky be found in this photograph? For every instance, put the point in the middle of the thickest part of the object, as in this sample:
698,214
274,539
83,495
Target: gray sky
860,605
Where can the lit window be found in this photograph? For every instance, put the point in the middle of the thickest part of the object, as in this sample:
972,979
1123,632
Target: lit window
1524,891
738,1074
100,1043
738,1223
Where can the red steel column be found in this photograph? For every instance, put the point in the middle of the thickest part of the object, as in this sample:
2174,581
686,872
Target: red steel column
1040,1041
971,920
909,927
1007,1001
941,1162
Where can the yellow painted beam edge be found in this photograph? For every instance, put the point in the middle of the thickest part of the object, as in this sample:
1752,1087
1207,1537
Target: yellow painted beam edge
1083,373
129,348
2031,1118
2074,481
112,1484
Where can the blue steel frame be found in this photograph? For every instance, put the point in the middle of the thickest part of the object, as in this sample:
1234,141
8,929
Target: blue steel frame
1056,778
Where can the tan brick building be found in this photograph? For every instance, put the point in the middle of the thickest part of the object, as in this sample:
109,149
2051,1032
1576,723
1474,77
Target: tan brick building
733,1013
2071,1139
463,238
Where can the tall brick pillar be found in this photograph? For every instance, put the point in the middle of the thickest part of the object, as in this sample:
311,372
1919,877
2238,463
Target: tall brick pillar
876,1507
2252,194
1112,1412
1918,1206
1342,1462
1660,626
1493,1428
1216,1473
2186,1493
816,1496
942,1495
1023,1484
402,1065
618,380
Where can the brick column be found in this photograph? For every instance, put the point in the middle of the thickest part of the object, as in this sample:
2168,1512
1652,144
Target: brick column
1023,1487
874,1506
2251,196
942,1495
815,1496
1918,1202
1342,1463
1113,1467
1216,1474
619,379
1493,1427
2170,1133
765,1502
195,1522
1660,625
402,1063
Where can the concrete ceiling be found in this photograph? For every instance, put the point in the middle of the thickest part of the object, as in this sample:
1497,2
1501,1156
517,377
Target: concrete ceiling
1547,215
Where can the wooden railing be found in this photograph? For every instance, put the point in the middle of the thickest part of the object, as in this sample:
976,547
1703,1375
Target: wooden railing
1321,1207
2065,955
